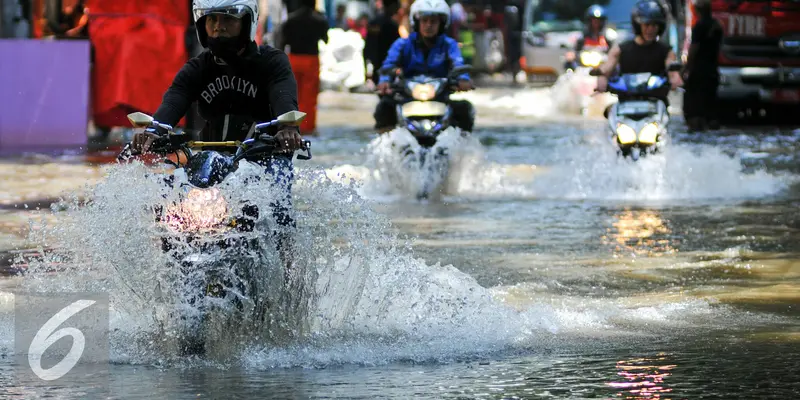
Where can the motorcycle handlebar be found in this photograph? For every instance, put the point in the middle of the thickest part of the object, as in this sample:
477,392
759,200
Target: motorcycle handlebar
175,142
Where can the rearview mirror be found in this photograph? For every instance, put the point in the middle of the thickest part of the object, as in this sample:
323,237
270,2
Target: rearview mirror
140,119
461,70
293,118
675,67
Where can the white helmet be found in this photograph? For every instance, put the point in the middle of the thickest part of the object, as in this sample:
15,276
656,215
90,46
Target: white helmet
236,8
430,7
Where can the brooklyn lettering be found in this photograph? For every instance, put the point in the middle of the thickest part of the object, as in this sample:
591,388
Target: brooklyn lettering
225,82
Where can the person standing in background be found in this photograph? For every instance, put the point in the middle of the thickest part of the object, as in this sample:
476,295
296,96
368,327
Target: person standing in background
513,16
458,15
341,17
702,71
402,15
360,25
299,38
382,31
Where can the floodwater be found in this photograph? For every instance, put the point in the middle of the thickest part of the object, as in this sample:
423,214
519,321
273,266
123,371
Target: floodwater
549,269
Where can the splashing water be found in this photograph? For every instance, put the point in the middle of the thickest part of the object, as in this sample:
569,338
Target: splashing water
680,172
591,170
370,299
398,166
532,103
571,94
112,244
364,282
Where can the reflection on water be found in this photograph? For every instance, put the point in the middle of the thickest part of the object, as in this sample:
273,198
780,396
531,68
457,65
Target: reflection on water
643,378
639,232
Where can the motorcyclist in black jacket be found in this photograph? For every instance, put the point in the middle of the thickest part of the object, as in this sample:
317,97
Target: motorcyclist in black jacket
236,85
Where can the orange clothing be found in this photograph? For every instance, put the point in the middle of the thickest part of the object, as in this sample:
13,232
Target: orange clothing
306,73
592,42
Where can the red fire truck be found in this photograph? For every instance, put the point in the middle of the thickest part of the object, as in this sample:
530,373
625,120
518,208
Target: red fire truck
759,60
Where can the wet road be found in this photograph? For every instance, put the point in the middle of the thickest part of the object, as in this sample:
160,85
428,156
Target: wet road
574,274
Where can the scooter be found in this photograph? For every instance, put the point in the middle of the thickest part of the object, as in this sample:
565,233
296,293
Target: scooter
638,122
423,109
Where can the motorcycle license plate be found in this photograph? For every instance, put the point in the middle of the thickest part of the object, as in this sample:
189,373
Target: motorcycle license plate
782,96
424,109
635,107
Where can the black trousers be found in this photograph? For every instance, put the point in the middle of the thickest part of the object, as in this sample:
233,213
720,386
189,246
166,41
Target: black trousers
700,97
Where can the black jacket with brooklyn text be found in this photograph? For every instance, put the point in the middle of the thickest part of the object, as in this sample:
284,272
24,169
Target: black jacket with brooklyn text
232,97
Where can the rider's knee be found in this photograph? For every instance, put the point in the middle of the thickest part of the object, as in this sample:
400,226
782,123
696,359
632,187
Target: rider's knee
463,114
385,114
463,107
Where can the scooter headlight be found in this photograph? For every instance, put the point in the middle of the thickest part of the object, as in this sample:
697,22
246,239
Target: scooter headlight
626,134
200,209
591,58
649,133
423,91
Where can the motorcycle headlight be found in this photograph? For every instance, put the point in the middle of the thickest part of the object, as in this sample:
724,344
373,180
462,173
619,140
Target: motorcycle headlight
626,134
200,209
591,58
649,133
423,91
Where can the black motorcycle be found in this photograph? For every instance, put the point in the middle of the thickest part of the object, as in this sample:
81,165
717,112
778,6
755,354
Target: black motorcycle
203,235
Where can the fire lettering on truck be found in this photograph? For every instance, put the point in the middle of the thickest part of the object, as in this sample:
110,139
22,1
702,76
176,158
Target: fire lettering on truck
746,25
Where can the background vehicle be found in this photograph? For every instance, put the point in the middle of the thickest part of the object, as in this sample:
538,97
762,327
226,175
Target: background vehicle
638,122
551,29
759,60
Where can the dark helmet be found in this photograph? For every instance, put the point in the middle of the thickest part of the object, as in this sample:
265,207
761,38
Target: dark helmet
596,11
247,10
648,12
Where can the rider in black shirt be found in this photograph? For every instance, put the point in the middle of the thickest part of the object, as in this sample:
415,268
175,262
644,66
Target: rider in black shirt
644,53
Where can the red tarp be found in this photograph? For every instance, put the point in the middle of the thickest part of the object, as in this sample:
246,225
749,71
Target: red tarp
139,46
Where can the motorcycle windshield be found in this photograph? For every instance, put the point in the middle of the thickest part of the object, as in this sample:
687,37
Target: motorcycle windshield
207,168
637,83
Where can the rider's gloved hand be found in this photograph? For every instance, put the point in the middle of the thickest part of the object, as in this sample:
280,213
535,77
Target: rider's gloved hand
142,141
384,88
288,139
464,85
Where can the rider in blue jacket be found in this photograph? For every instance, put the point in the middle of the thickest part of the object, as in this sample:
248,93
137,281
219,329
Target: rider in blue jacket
425,51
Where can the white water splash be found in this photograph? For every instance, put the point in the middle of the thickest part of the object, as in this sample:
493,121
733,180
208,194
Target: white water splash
375,302
593,171
680,172
388,174
571,94
369,284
